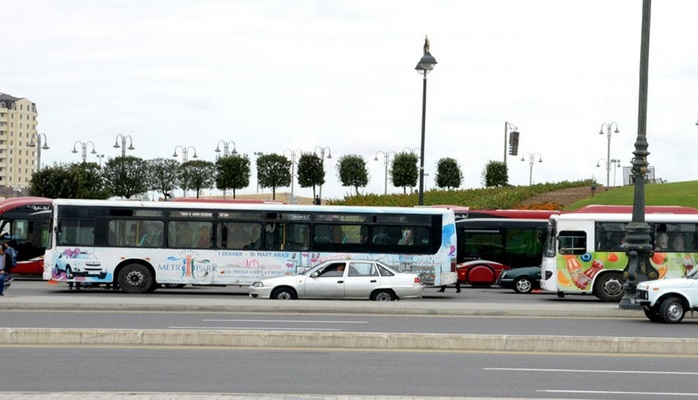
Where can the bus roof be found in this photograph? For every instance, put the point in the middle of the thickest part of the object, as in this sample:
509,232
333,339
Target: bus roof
248,206
31,203
463,212
614,209
227,201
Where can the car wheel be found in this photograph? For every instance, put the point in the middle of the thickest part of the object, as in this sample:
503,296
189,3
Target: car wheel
283,294
383,295
136,278
672,310
523,285
652,314
609,287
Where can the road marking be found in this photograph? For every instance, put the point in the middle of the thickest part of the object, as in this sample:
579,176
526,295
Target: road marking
285,321
593,371
662,394
253,328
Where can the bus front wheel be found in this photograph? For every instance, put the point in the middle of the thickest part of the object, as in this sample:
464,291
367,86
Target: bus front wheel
135,278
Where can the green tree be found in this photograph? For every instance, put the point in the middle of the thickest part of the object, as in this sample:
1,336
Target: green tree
352,171
495,174
232,172
197,175
126,176
448,173
163,176
273,171
68,181
404,171
311,171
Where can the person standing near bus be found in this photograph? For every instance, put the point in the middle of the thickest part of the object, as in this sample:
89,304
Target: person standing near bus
2,272
10,259
443,287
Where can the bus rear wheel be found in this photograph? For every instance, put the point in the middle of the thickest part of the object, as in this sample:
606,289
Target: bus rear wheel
609,287
136,278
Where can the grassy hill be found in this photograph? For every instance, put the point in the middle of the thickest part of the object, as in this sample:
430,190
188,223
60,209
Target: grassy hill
660,194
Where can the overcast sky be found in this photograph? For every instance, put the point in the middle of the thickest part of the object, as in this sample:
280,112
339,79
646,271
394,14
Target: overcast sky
275,76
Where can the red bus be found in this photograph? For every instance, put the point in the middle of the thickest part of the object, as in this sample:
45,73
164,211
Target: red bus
24,222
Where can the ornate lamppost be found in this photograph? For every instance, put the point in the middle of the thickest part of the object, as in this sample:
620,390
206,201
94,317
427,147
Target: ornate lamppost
531,159
39,147
425,65
322,151
123,143
185,152
83,145
609,126
386,155
226,147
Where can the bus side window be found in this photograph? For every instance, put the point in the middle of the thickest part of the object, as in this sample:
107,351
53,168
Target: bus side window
572,242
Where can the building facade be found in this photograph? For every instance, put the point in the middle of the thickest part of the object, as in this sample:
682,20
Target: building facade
18,147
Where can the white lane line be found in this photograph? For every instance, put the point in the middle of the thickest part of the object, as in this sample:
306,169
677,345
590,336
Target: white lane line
252,328
593,371
662,394
288,321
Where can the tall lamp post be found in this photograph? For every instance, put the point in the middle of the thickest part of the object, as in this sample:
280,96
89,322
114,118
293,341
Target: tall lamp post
257,155
39,147
185,152
508,127
83,145
637,232
293,154
322,151
609,127
425,65
226,147
386,155
101,157
123,143
531,160
615,162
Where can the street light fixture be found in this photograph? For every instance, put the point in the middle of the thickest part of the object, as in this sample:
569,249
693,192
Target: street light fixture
386,155
84,148
510,128
39,147
101,157
322,160
257,155
615,162
293,154
609,126
123,143
226,147
425,65
185,152
531,159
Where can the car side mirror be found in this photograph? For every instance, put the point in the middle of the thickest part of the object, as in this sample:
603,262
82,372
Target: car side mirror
314,275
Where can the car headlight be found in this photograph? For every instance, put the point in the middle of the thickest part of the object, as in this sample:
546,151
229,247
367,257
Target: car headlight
257,284
504,273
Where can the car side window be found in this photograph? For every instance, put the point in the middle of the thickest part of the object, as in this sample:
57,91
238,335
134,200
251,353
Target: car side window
362,269
385,271
333,271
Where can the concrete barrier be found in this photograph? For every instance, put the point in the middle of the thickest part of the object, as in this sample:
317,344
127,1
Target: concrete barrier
346,340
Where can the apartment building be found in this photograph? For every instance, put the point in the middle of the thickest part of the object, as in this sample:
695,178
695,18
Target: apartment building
18,150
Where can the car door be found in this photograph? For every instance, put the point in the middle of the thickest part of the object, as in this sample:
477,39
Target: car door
361,278
328,284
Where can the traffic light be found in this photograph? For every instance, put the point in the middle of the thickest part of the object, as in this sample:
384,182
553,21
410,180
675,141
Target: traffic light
513,143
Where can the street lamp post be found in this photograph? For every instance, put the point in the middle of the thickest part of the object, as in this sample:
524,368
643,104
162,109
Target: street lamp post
386,155
616,164
84,148
609,126
637,232
257,154
293,154
39,147
101,157
185,152
425,65
322,158
508,127
531,159
226,147
123,143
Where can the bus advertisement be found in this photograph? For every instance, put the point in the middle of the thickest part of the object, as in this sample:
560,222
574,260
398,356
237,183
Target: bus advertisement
585,252
142,245
24,223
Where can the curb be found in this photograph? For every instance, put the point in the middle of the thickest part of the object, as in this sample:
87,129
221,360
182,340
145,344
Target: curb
347,341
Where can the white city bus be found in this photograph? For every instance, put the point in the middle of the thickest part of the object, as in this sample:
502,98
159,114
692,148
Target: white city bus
140,246
584,252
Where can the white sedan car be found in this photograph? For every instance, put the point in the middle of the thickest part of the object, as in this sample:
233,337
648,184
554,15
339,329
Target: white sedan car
342,279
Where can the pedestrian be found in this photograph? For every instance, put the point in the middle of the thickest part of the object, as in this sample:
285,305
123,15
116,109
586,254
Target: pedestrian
10,259
443,287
